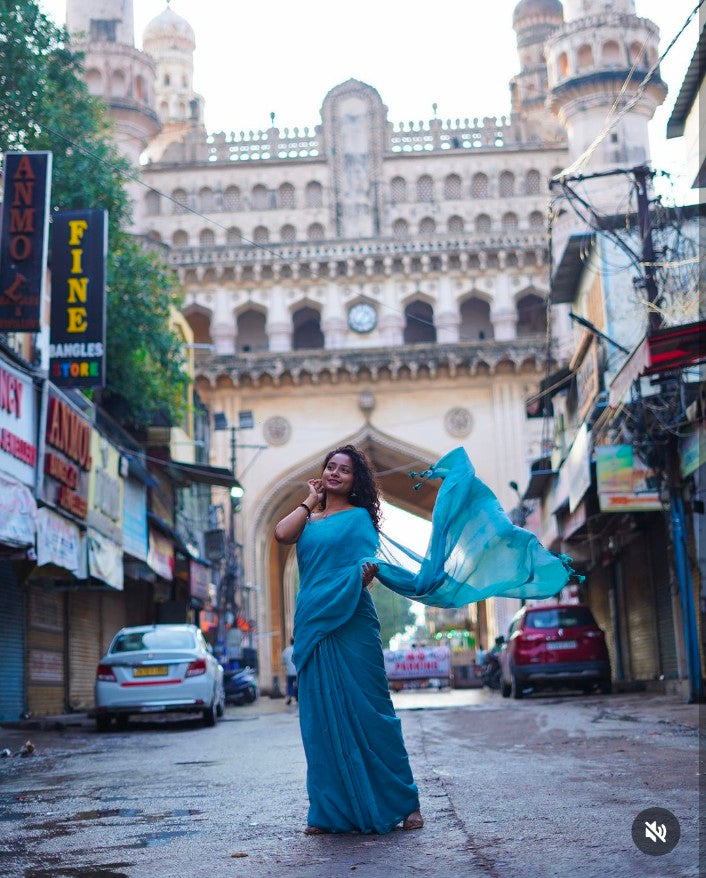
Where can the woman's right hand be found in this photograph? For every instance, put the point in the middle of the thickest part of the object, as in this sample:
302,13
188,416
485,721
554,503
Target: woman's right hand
316,492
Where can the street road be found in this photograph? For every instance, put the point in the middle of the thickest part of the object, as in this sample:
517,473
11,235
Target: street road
547,786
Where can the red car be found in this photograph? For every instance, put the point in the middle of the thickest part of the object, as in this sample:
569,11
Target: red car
554,645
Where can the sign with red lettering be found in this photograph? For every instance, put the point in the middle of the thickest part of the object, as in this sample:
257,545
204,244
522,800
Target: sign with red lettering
77,332
419,663
67,457
18,424
23,239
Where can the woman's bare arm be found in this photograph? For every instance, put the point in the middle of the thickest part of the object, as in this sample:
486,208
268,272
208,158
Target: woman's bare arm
290,528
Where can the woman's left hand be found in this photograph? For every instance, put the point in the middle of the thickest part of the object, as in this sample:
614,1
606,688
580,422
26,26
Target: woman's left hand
369,572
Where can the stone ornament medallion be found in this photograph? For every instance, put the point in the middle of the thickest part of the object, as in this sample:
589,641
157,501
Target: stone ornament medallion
277,430
458,422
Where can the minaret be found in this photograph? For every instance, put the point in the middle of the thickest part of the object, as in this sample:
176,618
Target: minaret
534,21
116,72
171,41
589,59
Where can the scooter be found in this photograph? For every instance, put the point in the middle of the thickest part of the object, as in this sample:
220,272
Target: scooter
240,686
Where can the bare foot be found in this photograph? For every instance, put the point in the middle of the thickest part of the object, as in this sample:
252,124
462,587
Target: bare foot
315,830
413,821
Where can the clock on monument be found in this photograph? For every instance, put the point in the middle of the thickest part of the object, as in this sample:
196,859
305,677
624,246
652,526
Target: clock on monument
362,317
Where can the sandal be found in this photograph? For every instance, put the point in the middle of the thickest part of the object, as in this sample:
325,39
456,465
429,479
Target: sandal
315,830
413,821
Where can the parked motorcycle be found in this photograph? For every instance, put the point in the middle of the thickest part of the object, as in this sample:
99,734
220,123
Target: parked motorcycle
240,686
491,672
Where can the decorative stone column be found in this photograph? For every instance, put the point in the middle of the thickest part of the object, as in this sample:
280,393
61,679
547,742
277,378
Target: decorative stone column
448,317
223,335
391,316
504,322
279,322
333,319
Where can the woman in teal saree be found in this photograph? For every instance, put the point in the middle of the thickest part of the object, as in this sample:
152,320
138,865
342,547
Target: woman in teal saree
358,772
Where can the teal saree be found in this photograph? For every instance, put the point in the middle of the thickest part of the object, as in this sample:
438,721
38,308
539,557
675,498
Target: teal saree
358,773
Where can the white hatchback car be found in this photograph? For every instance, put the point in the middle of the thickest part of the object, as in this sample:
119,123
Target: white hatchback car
155,669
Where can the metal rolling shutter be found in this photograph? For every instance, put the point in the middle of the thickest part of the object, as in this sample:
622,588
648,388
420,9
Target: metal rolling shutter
640,610
599,602
12,630
113,616
663,599
84,647
45,675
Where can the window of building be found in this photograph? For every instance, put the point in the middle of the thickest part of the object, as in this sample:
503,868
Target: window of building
285,196
475,320
234,235
483,222
152,203
425,188
94,81
479,186
510,223
531,315
306,329
103,30
260,198
427,226
637,54
536,220
314,194
287,234
533,183
455,225
206,199
563,64
180,238
506,184
419,323
398,190
179,201
207,237
315,232
400,228
231,199
118,84
610,54
584,57
251,333
452,187
261,235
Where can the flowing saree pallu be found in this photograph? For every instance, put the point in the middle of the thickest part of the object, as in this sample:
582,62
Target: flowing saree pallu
358,775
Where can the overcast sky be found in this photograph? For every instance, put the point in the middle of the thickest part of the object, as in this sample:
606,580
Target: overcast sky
255,58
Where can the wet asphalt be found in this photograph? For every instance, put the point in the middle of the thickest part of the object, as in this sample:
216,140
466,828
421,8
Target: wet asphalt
546,786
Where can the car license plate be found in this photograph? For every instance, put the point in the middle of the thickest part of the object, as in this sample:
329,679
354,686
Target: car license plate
151,671
562,644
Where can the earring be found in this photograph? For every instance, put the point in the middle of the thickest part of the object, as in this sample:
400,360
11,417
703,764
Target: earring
352,494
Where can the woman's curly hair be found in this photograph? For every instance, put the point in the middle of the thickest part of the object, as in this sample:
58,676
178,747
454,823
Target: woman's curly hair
365,491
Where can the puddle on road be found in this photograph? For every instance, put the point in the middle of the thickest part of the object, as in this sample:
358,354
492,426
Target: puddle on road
156,839
107,870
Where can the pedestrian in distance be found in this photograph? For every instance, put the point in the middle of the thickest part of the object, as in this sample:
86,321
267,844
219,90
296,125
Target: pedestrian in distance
290,671
358,771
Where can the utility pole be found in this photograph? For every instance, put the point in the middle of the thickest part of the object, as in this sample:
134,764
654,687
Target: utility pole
643,176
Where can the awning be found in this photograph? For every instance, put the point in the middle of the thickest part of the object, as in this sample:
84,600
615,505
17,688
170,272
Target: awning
168,531
201,473
570,270
139,472
541,473
674,347
539,404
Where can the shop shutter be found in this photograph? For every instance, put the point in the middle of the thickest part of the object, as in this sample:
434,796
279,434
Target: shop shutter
113,616
639,610
12,628
45,668
84,647
598,584
663,599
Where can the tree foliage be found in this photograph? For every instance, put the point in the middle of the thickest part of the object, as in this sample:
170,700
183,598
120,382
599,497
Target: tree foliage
394,612
45,105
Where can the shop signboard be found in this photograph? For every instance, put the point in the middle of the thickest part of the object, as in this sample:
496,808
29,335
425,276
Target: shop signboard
625,482
428,662
67,458
105,559
18,514
18,424
585,366
135,542
105,489
199,580
692,451
59,542
578,466
160,556
23,239
77,329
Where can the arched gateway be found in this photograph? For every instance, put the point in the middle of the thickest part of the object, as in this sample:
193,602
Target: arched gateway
405,407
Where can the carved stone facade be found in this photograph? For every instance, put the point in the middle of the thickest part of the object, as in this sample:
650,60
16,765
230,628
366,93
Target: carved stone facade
437,229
